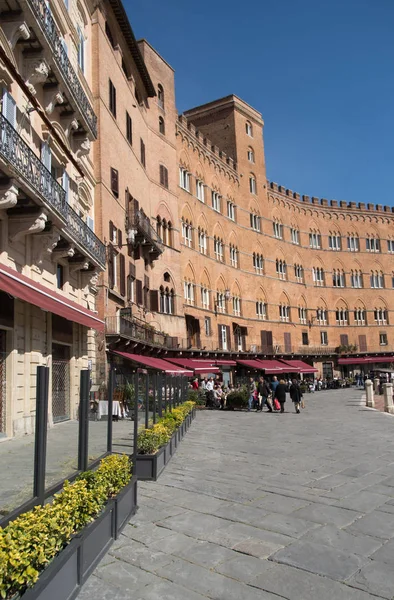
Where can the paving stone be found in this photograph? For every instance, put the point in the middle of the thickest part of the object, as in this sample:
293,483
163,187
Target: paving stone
295,584
243,567
194,524
330,482
166,591
287,524
145,532
327,514
141,556
375,578
385,554
329,535
125,576
320,559
210,584
236,533
240,513
363,501
279,503
96,589
377,524
257,548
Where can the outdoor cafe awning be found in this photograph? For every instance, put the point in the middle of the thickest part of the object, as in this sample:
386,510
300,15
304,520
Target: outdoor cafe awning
299,366
24,288
270,367
198,366
151,362
359,360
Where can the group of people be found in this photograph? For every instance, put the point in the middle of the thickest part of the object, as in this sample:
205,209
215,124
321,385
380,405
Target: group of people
273,394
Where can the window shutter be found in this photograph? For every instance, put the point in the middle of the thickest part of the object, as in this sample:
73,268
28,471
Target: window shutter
344,339
131,270
114,182
287,340
161,175
66,186
228,337
362,342
119,238
90,222
166,178
137,253
46,158
122,269
220,342
138,287
110,267
154,300
9,108
111,231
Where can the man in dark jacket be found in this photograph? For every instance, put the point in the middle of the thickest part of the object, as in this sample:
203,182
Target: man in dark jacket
264,392
296,395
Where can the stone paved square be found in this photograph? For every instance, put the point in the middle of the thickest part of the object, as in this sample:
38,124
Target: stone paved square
312,519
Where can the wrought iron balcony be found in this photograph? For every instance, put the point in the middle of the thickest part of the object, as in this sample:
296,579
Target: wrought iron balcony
70,78
143,233
135,330
36,176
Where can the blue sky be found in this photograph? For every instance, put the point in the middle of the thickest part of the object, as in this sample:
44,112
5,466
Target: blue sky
321,72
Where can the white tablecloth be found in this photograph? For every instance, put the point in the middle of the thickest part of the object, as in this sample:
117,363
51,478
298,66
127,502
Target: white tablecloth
103,409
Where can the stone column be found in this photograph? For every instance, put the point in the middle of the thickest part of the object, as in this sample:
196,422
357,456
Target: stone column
388,398
376,383
369,393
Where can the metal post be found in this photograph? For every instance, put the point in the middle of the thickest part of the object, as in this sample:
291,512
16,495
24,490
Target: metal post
154,397
40,446
170,396
178,390
111,385
160,394
136,384
165,393
84,388
147,401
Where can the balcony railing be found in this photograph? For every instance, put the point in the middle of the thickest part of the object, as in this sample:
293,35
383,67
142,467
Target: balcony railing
18,154
143,230
130,328
53,37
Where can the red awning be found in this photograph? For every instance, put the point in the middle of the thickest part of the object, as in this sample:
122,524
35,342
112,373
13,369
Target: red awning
198,366
251,364
358,360
299,366
155,363
272,367
30,291
225,362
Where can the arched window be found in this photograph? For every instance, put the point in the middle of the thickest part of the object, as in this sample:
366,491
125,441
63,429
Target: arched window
255,221
160,96
353,243
302,315
258,263
278,229
202,240
360,316
167,305
322,316
159,227
187,233
338,278
281,268
252,184
372,243
314,239
356,278
261,309
299,273
284,313
218,248
334,240
249,128
162,127
381,316
250,155
377,279
342,316
318,276
233,256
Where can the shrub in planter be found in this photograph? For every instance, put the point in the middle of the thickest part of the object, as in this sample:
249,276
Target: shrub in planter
150,440
28,544
238,399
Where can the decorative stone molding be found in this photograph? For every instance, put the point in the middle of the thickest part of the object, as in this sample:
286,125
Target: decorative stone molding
70,124
45,243
82,147
37,70
81,265
21,225
90,281
8,195
14,30
64,252
52,99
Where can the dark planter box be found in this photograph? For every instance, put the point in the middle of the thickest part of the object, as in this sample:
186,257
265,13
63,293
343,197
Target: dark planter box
68,571
150,466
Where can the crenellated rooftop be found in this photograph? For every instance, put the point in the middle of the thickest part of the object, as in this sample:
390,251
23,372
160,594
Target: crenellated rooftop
219,154
323,202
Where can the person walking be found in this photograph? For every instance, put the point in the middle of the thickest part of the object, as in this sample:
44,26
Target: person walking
264,392
296,395
252,389
274,384
280,394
